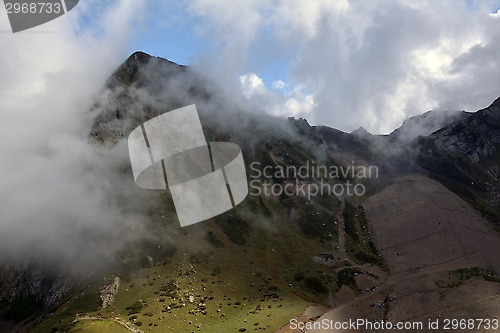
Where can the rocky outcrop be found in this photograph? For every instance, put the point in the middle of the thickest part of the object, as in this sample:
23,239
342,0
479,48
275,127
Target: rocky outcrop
28,280
109,292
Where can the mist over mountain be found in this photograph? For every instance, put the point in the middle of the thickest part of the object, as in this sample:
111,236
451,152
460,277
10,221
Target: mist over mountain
426,124
116,254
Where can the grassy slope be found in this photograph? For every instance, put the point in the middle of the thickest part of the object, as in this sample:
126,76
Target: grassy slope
240,278
257,274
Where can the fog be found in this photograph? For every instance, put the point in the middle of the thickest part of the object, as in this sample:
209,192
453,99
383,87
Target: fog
55,186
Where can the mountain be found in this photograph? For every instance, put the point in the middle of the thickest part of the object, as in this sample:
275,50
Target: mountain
415,241
465,156
426,124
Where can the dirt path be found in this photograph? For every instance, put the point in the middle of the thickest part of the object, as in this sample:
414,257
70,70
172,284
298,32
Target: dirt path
340,217
119,321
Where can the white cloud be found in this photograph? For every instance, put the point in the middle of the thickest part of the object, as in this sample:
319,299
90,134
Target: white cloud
251,84
370,63
279,103
279,85
294,107
304,16
52,182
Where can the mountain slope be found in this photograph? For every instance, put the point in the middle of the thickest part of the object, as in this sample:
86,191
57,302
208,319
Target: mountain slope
441,254
465,156
276,255
237,268
426,124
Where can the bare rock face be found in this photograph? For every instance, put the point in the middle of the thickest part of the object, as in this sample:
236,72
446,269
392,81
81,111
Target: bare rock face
121,107
109,292
33,281
476,137
28,289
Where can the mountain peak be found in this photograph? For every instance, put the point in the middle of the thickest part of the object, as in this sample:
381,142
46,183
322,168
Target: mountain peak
426,123
139,56
128,71
361,131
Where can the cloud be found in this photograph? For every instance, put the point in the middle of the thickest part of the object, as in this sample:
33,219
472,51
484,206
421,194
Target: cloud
279,85
370,64
251,85
55,186
277,103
